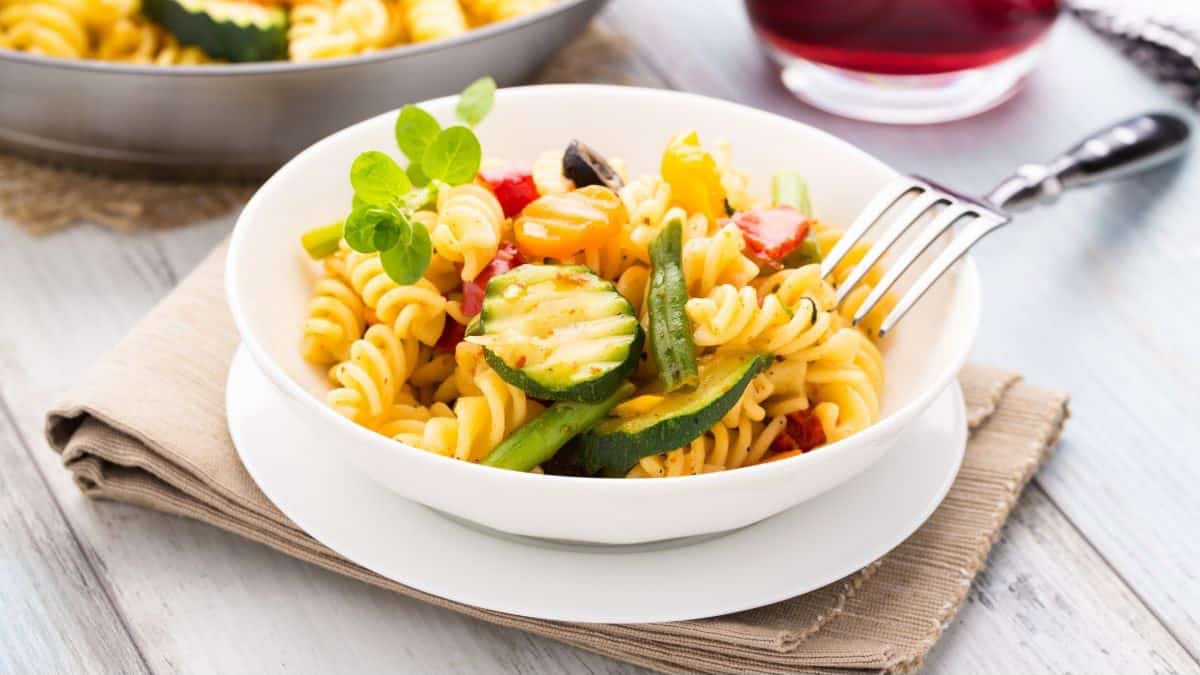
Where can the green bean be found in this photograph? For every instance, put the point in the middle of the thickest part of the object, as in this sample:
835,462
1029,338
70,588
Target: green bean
322,241
539,438
671,341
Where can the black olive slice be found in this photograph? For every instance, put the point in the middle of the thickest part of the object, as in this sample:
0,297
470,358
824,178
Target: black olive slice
585,166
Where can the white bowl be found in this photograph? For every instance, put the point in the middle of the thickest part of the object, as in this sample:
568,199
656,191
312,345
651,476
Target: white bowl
268,285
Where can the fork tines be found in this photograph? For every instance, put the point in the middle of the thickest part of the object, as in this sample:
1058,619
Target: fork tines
945,209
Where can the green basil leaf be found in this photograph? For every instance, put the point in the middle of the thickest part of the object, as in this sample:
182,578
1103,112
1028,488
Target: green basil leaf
453,157
406,262
377,178
476,101
416,175
361,224
415,130
387,233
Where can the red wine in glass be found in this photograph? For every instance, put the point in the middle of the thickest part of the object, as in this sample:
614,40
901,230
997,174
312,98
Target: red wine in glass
903,60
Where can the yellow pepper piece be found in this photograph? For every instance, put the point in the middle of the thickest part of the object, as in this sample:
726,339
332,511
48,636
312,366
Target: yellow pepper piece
637,405
693,176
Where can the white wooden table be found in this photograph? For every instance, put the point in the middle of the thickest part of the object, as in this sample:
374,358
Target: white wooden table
1096,572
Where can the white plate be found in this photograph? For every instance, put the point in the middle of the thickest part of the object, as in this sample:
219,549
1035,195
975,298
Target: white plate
797,551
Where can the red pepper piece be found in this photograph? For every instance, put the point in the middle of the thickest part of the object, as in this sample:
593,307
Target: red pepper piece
772,233
513,186
452,334
507,257
803,433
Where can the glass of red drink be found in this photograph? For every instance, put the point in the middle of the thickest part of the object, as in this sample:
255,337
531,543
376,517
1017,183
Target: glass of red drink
903,61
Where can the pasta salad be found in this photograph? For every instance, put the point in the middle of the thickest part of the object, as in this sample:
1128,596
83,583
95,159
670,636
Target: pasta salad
167,32
563,316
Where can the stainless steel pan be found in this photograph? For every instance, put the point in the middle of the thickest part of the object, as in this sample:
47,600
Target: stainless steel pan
245,120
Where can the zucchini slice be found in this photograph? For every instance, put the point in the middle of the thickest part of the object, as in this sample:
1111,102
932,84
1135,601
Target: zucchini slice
559,332
224,29
612,447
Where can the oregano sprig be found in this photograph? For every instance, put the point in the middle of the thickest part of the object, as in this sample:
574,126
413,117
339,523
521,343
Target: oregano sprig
384,194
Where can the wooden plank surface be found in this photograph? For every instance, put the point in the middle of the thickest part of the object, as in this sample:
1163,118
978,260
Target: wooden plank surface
1094,295
195,599
57,612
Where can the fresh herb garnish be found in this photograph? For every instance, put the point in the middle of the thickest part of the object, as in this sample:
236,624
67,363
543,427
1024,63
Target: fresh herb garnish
415,131
476,101
384,194
453,157
377,178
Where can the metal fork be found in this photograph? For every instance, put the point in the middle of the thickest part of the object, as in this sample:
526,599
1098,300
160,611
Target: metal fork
1130,146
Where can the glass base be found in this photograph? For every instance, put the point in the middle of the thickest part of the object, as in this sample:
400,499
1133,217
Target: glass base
905,99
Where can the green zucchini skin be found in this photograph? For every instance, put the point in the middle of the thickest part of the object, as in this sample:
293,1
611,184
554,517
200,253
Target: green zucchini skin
540,438
789,189
223,38
596,388
671,340
612,447
591,391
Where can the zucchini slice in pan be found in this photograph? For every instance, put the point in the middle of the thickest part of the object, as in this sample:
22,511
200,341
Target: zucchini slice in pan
224,29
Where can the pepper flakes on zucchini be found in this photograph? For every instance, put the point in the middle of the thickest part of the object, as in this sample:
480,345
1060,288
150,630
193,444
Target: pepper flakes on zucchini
558,332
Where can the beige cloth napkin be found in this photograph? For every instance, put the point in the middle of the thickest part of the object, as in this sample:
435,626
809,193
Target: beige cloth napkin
147,426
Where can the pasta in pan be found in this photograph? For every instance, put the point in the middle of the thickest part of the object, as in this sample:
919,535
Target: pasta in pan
133,39
193,32
571,322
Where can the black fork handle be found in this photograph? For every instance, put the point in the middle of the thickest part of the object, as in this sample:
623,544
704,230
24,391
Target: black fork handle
1127,147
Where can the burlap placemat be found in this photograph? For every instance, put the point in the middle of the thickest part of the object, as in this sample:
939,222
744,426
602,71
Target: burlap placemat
147,426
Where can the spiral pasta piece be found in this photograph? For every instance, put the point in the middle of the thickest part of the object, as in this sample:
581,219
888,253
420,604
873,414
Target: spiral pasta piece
313,32
827,237
548,174
137,40
736,182
647,200
732,316
486,411
415,311
334,322
46,27
469,227
710,261
840,380
373,376
434,19
321,29
847,393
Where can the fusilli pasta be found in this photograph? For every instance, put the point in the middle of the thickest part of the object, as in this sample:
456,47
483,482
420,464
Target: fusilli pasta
709,261
434,19
548,174
321,29
133,39
470,223
486,411
46,27
335,321
116,30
